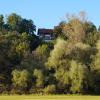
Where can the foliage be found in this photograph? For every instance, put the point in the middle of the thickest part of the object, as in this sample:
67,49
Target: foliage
50,89
68,64
20,78
57,54
58,30
27,26
96,68
13,21
80,78
38,74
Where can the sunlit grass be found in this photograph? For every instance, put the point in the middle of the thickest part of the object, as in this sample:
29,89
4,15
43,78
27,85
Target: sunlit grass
49,97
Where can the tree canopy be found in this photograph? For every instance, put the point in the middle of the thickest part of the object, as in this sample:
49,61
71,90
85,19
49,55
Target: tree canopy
69,64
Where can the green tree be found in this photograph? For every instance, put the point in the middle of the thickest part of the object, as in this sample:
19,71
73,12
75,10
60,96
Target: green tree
38,74
96,68
92,35
20,80
1,22
13,21
27,26
60,64
42,52
57,54
81,79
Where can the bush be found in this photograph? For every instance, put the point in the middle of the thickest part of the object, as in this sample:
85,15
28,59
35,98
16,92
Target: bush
20,81
50,89
38,74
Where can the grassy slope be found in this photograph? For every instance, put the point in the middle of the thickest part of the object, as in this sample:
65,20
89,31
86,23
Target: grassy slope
58,97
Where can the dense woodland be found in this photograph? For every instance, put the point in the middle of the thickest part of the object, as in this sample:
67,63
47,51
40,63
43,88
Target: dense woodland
69,64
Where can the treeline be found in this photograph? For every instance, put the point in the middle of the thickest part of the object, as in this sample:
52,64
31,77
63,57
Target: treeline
70,64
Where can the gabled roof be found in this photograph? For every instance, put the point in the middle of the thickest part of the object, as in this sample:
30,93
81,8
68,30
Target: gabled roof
45,31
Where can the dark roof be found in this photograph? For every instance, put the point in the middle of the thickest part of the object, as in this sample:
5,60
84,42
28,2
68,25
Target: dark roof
45,31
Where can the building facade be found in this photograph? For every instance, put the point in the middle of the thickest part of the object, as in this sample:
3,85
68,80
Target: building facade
46,34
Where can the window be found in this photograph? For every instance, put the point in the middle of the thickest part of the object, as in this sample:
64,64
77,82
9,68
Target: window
47,37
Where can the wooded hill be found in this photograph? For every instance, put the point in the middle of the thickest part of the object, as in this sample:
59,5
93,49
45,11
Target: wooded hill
68,64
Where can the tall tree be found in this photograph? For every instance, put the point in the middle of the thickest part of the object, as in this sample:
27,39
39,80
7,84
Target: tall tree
58,30
13,21
27,26
1,22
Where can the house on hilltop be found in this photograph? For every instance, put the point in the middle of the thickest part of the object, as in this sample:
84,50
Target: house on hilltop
46,34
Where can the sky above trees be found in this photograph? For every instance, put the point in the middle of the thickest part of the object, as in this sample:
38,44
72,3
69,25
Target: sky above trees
48,13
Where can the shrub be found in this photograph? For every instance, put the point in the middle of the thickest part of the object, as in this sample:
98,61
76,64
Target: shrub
50,89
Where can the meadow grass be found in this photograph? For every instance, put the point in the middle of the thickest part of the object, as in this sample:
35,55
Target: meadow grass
49,97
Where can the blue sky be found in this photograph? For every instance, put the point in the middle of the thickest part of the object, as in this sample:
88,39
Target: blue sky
48,13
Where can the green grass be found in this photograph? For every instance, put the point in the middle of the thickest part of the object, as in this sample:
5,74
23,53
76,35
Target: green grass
54,97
